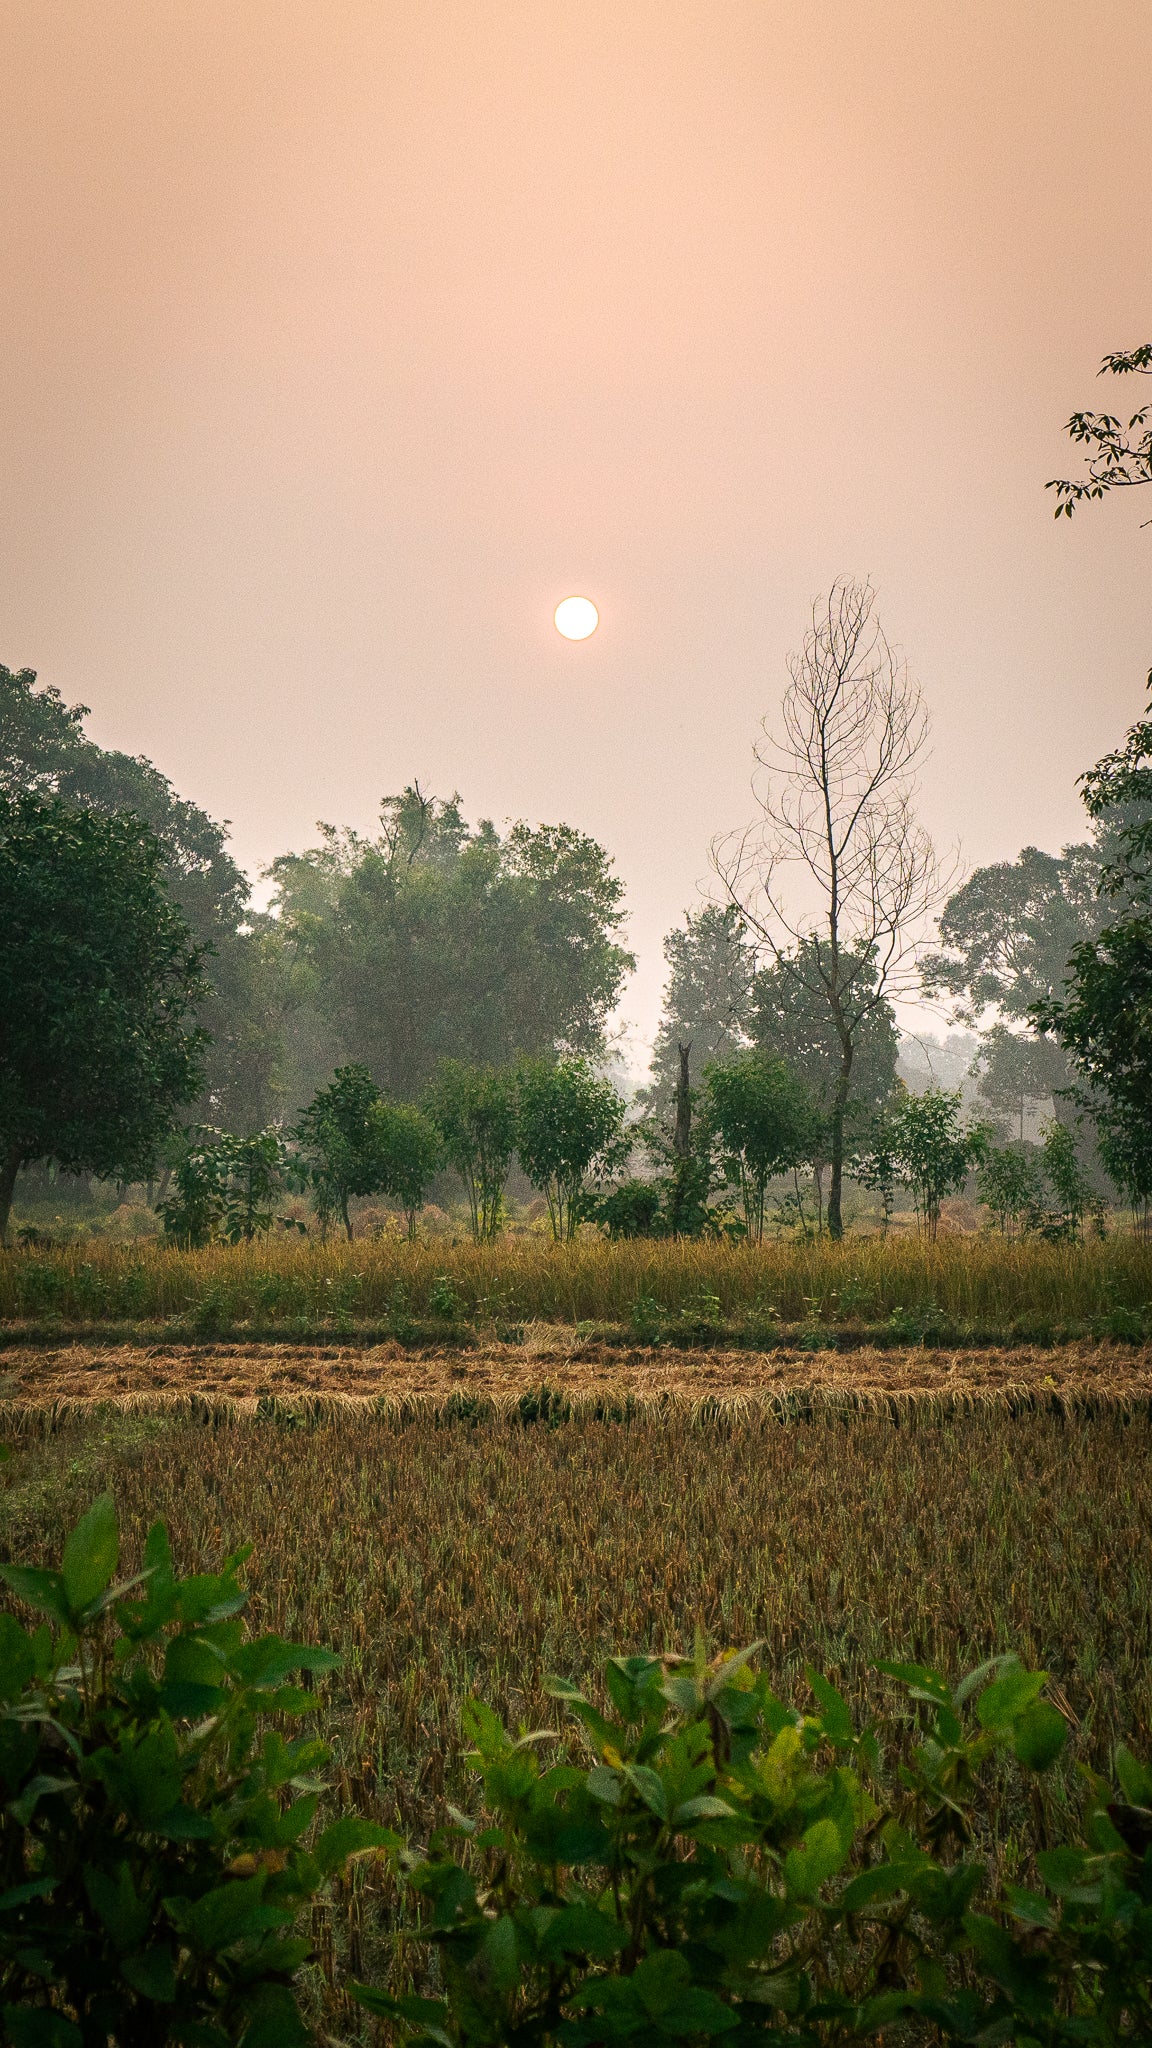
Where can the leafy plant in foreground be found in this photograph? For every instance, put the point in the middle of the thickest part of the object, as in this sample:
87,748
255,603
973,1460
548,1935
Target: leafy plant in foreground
723,1865
151,1867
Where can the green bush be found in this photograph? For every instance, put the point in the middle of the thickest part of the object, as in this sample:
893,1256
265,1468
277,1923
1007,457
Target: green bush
151,1861
728,1866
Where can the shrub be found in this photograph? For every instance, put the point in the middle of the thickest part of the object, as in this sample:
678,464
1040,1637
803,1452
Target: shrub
732,1867
151,1867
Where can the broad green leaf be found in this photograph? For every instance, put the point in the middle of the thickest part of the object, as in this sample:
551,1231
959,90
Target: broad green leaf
705,1806
43,1590
650,1787
152,1973
1039,1736
817,1858
17,1657
91,1555
1000,1704
351,1837
31,2026
834,1709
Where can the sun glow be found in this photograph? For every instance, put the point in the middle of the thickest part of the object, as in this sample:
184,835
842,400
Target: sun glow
576,617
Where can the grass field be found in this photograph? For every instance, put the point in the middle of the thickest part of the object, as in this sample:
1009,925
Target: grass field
978,1283
440,1557
465,1467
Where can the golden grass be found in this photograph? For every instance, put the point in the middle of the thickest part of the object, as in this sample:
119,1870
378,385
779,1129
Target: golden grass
982,1280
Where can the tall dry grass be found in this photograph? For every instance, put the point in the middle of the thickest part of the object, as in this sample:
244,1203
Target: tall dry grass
983,1280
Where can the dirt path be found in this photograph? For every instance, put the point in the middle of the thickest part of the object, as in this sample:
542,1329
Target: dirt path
84,1373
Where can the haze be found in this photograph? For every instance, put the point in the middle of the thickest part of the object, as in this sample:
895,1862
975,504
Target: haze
342,341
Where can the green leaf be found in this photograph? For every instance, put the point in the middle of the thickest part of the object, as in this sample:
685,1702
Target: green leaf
1039,1736
351,1837
152,1973
817,1858
1002,1702
31,2026
834,1709
43,1590
91,1555
113,1899
17,1657
650,1787
704,1807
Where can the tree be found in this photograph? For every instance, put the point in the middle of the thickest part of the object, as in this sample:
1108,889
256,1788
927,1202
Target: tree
765,1122
1014,1071
837,806
340,1134
1010,1180
98,980
1118,456
567,1119
410,1151
791,1018
1070,1184
1103,1015
474,1111
708,997
935,1153
876,1163
434,940
252,980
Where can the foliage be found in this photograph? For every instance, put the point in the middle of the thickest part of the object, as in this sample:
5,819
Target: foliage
765,1122
410,1152
150,1840
791,1020
1070,1183
97,979
876,1163
707,999
632,1208
568,1120
226,1188
1010,1179
339,1132
435,939
733,1867
935,1153
1103,1018
1015,1070
1118,456
474,1111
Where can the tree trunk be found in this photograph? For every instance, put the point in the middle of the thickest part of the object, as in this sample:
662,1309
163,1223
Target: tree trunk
346,1217
8,1171
682,1140
836,1176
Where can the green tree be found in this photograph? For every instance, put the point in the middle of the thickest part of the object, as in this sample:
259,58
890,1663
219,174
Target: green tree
936,1154
98,980
1071,1185
1118,456
707,998
474,1110
340,1134
568,1118
410,1151
253,983
1010,1180
765,1122
1102,1016
876,1162
434,940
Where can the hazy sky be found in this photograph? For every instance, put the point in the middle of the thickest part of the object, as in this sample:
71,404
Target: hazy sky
343,338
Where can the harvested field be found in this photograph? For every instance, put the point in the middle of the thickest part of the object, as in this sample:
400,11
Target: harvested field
555,1356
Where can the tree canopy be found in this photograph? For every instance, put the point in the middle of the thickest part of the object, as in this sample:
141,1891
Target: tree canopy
707,998
98,980
435,940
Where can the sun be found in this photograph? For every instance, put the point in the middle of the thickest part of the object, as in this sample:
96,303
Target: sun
576,617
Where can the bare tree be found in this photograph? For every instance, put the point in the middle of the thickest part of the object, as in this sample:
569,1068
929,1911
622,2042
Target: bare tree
836,804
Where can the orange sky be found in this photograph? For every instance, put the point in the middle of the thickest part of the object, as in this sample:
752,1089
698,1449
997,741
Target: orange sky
342,339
